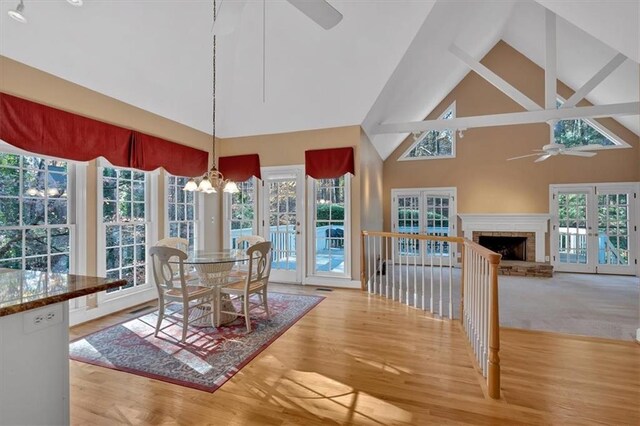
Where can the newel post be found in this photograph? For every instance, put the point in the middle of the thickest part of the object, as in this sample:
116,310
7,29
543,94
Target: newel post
494,329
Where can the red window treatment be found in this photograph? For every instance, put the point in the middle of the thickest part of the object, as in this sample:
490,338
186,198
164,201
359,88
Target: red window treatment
49,131
240,167
329,163
150,152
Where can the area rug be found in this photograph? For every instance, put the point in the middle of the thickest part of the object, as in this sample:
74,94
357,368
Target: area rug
210,357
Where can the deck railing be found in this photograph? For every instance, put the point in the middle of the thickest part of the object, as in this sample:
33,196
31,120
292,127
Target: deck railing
422,270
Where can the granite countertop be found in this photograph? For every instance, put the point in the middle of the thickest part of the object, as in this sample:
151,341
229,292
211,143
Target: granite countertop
24,290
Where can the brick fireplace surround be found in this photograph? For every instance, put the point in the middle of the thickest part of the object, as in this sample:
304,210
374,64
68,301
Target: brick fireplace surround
532,226
530,236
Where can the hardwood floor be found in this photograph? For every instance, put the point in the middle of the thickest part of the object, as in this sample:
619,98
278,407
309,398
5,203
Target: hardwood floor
362,359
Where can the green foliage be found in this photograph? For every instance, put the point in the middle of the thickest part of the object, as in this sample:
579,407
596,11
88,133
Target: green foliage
572,133
325,212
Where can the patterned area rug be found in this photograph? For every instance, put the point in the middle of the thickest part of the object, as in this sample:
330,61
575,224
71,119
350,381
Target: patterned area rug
211,355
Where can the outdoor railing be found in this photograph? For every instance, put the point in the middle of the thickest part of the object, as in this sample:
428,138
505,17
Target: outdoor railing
421,271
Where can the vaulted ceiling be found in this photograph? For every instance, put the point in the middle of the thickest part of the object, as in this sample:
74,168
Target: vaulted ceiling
386,61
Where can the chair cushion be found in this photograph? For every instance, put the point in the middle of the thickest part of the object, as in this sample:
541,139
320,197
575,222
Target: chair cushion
239,286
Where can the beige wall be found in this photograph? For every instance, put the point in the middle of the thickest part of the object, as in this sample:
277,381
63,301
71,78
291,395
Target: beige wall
485,181
371,170
286,149
26,82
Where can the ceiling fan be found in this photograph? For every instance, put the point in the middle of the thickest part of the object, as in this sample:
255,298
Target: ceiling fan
319,11
554,149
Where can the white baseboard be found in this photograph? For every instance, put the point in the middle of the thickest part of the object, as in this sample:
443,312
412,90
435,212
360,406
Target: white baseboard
332,282
109,306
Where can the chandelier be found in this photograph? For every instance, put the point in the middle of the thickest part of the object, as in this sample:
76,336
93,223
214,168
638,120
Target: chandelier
212,181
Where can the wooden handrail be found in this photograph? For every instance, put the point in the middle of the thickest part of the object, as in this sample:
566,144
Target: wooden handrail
493,258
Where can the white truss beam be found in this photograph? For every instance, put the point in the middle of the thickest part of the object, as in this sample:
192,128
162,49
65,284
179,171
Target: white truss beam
513,118
494,79
586,88
551,59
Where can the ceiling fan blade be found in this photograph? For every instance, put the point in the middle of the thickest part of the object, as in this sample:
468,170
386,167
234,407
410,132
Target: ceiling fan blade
319,11
228,16
542,158
523,156
584,147
578,153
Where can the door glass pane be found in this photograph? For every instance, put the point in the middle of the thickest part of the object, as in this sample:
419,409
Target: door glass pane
613,229
437,218
283,223
408,223
572,215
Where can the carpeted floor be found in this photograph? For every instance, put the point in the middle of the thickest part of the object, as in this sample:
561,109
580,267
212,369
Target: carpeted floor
592,305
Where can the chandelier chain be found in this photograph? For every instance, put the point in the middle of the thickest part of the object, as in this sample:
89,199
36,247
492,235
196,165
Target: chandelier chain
213,66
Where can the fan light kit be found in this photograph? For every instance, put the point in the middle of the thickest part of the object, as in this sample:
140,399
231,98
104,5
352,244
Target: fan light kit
17,14
553,149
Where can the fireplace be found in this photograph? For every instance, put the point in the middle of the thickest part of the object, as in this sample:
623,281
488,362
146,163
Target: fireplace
511,248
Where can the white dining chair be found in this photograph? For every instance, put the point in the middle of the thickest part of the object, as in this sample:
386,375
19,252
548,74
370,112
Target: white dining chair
187,297
255,282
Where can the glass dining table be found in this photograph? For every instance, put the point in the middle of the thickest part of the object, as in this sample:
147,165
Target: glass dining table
213,269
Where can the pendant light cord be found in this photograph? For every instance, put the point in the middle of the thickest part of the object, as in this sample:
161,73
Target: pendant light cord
264,50
213,119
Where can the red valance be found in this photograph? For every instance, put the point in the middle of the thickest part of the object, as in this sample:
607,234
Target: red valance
150,152
240,167
329,163
49,131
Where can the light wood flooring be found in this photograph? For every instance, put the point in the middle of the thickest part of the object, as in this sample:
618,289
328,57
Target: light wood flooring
362,359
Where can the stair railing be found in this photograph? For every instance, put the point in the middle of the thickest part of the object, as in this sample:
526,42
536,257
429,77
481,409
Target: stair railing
408,267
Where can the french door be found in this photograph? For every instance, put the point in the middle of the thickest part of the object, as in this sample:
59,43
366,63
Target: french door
426,211
282,220
594,228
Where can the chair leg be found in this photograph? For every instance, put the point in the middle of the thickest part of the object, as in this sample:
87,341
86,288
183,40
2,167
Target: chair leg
264,302
185,320
160,316
247,319
218,305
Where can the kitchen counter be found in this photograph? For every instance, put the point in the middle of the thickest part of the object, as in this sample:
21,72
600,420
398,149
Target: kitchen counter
34,343
24,290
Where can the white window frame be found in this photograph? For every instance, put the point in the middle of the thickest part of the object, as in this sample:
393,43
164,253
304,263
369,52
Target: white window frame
405,154
226,213
76,207
127,297
311,237
198,214
618,142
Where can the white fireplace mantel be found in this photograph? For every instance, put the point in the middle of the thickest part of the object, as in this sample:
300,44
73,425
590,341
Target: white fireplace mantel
518,222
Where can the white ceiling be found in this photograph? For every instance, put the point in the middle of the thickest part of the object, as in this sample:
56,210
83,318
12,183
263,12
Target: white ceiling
156,55
386,61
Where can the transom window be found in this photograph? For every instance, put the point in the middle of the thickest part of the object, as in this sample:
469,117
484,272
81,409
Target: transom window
571,133
35,231
124,218
182,210
434,143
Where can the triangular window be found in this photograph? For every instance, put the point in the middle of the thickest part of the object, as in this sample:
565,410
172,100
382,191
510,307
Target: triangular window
434,143
580,132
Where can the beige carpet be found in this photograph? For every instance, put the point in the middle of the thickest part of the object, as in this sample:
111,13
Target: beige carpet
592,305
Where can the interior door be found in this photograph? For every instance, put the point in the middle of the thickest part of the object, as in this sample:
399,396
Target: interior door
282,216
594,229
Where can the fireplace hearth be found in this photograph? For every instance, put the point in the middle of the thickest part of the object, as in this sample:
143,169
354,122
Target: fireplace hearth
511,248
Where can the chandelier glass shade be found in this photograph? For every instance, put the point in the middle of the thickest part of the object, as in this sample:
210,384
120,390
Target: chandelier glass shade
212,181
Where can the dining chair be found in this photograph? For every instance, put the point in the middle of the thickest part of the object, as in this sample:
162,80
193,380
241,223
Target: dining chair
180,244
244,242
255,282
165,270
